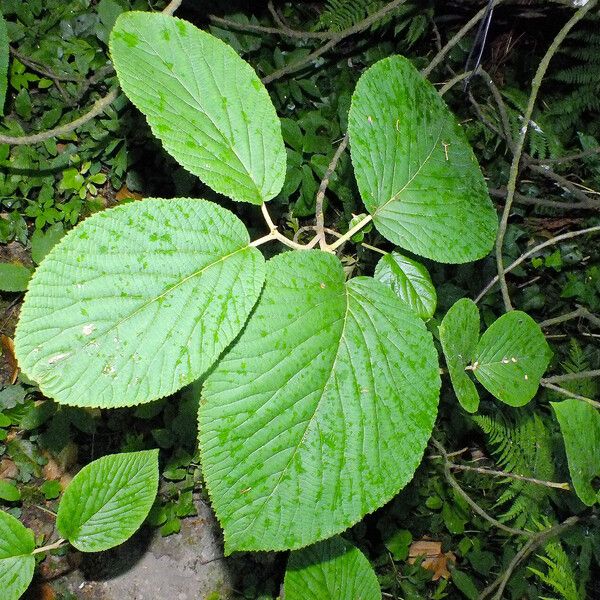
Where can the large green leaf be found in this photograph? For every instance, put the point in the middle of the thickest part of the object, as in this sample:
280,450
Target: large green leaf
511,357
17,563
459,334
4,55
410,281
206,104
415,170
330,569
137,301
108,500
321,411
580,425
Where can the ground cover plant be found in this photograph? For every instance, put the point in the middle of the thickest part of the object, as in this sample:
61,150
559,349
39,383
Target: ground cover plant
315,370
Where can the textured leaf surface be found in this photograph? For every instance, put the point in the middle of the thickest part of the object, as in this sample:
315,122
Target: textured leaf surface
511,357
4,55
14,277
16,561
580,426
108,500
330,569
410,281
321,411
137,301
206,104
459,334
415,170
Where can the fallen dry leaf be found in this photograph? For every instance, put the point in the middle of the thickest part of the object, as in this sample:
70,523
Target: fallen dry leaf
8,469
435,560
8,349
124,192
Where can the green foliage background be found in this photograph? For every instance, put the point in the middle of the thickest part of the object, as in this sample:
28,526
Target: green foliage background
47,188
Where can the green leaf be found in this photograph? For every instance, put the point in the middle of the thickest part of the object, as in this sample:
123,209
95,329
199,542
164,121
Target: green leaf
9,491
137,301
17,563
206,104
14,277
511,357
330,569
4,56
416,172
108,500
321,411
580,426
43,242
410,281
459,333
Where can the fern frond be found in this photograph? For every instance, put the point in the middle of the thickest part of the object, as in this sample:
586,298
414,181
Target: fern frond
521,446
560,576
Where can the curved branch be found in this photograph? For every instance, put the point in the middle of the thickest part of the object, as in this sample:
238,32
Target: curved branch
520,143
526,255
97,108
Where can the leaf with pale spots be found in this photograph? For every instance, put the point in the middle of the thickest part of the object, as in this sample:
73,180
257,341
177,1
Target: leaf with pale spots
137,301
459,333
108,500
416,172
580,426
321,411
333,566
511,357
17,562
206,104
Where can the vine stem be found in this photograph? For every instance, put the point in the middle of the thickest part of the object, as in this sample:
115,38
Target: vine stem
573,376
353,231
534,542
319,213
576,314
568,393
496,473
97,108
526,255
58,544
476,508
274,234
520,143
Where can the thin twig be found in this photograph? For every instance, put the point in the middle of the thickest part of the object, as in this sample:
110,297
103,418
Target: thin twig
526,255
320,216
439,57
570,158
534,542
496,473
573,376
476,508
275,234
520,143
97,108
581,312
452,82
591,204
568,393
353,231
559,180
361,26
41,69
58,544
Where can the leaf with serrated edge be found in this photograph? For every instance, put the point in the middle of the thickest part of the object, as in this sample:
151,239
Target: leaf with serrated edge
415,169
108,500
334,565
206,104
137,301
4,56
580,426
511,357
410,281
321,411
459,334
17,562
